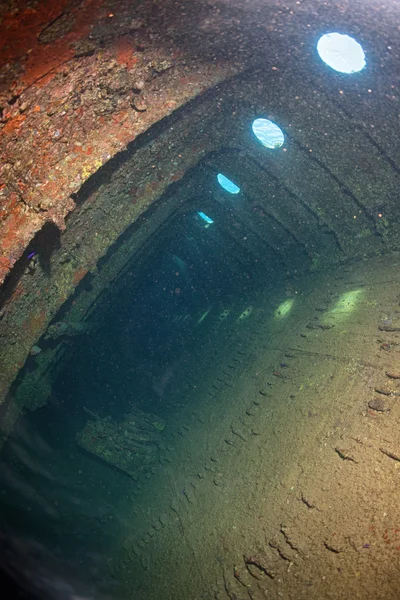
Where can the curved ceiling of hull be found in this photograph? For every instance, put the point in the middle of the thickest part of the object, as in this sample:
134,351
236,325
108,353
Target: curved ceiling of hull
327,194
308,148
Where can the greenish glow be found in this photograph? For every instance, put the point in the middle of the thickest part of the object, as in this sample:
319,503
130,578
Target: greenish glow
284,308
205,218
346,304
246,313
203,316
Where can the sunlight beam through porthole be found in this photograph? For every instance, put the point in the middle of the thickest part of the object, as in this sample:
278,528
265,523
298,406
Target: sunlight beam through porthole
345,305
227,184
284,308
268,133
341,52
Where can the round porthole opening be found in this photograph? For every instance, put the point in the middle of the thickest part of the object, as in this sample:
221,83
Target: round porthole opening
227,184
268,133
341,52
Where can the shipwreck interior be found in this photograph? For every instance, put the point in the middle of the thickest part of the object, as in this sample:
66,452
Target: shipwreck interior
200,299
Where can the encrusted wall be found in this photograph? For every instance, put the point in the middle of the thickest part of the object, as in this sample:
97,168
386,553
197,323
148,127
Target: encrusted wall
114,109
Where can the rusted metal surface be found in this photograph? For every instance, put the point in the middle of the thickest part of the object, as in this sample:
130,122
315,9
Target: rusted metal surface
78,83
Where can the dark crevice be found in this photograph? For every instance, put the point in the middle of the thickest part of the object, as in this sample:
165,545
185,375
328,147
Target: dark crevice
46,241
39,251
13,99
12,279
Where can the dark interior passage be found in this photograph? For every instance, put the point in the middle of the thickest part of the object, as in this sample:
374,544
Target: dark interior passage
199,311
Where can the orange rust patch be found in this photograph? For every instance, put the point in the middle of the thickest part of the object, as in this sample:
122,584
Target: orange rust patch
15,223
124,51
15,231
51,187
171,104
78,149
78,276
14,124
120,117
5,263
22,29
10,203
41,64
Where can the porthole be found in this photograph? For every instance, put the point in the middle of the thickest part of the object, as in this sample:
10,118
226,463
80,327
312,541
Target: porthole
341,52
268,133
227,184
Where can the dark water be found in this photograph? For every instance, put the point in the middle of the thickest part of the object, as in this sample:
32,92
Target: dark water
62,505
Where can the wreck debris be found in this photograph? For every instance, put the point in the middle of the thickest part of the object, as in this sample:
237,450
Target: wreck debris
35,350
237,575
390,454
260,564
132,445
388,328
393,374
336,549
378,405
345,455
386,391
65,329
319,326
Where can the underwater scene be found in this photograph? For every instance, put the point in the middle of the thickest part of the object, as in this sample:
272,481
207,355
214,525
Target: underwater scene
199,300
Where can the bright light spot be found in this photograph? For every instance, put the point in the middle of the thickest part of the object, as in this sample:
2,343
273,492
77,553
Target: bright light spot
203,316
268,133
203,216
346,304
246,313
341,52
284,308
227,184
